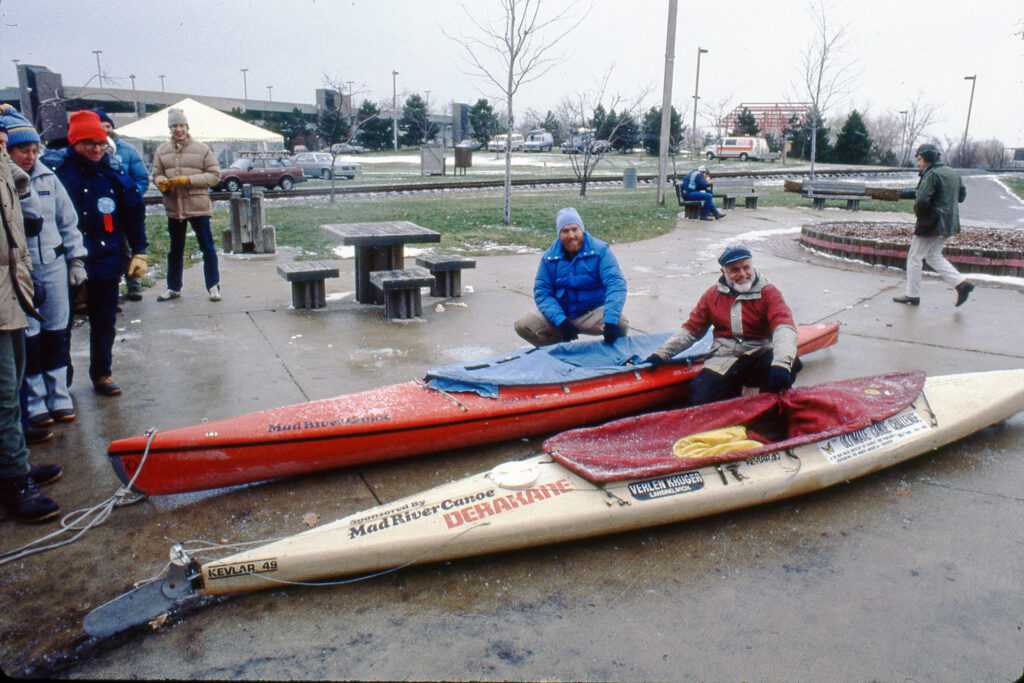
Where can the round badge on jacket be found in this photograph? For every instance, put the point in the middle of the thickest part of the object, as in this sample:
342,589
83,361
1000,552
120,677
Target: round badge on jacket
106,205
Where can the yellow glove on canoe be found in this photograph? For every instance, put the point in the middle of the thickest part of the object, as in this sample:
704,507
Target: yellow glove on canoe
138,266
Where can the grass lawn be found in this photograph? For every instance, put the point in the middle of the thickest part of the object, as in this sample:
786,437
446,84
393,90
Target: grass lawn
1015,184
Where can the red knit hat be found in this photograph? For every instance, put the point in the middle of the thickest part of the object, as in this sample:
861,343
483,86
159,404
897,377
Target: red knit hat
85,125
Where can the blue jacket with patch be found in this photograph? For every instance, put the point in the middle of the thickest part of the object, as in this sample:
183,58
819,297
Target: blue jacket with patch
569,287
108,205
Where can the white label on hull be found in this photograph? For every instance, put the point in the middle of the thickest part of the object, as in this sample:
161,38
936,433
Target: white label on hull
650,489
845,447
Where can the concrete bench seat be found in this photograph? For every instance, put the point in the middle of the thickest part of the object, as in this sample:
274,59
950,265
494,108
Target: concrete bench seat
307,278
401,291
447,271
821,191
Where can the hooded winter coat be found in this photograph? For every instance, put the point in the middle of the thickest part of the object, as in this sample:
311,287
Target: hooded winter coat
187,158
16,279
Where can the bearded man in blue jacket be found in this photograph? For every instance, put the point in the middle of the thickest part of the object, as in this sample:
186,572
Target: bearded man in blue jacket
579,288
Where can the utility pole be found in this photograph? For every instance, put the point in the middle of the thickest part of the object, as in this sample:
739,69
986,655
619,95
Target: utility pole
973,79
394,107
666,101
696,90
903,139
162,83
99,72
270,90
245,87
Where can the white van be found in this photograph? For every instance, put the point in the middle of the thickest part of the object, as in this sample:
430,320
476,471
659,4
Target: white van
499,142
538,140
741,148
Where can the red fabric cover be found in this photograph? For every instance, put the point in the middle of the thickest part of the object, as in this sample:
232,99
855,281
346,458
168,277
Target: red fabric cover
641,446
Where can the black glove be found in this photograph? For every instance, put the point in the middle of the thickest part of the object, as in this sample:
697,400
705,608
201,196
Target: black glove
654,360
33,226
779,379
611,333
569,331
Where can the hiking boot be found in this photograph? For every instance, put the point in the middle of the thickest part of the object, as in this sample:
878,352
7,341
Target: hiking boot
40,420
23,501
215,293
105,386
908,300
37,434
63,414
133,295
707,218
963,290
168,295
45,474
720,214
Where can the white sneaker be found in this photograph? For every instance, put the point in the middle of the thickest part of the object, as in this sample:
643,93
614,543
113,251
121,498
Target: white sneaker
168,295
215,293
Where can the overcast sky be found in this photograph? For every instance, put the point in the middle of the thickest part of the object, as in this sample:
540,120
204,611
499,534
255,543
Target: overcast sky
903,50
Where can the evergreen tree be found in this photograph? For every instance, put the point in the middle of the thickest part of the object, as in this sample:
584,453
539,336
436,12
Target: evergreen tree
627,135
552,125
600,123
853,144
483,121
746,124
651,129
374,131
416,123
800,132
332,127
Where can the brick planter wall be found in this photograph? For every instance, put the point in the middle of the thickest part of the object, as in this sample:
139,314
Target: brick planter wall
827,238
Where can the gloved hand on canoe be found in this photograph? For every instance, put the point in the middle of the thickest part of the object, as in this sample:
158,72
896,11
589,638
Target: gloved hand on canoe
569,331
654,360
611,333
779,379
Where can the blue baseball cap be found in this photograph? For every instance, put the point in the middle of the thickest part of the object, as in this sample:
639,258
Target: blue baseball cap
733,253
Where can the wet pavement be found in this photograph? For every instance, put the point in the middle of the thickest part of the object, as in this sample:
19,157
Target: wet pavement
914,573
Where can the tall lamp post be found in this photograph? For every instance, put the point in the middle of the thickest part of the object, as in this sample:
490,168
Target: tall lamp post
973,80
394,107
270,91
696,90
245,87
99,72
162,77
903,139
666,102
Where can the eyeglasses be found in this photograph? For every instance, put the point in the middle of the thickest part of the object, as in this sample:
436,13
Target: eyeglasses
93,144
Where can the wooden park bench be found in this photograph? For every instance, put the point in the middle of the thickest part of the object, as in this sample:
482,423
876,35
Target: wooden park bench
731,190
307,278
401,291
691,207
821,191
447,272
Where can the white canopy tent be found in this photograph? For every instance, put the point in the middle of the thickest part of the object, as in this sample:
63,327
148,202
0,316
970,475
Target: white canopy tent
224,133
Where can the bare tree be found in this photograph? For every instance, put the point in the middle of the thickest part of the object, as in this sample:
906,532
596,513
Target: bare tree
826,69
714,112
515,49
919,117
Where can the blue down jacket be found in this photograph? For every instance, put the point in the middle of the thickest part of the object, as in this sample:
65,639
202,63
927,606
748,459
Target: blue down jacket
568,288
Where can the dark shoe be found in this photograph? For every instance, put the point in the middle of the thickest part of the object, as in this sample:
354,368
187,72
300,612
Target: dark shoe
963,290
908,300
64,414
37,434
22,500
720,214
105,386
134,295
45,474
40,420
707,218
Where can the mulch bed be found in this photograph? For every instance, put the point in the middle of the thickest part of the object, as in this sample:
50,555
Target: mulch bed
900,233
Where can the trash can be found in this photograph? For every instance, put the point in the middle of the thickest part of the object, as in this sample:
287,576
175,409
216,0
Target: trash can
629,178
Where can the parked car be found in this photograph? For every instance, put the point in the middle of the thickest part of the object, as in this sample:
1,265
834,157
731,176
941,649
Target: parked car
741,148
538,140
318,165
268,170
500,142
347,148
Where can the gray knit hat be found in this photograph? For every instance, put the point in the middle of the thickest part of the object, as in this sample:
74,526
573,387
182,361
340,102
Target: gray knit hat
176,116
567,216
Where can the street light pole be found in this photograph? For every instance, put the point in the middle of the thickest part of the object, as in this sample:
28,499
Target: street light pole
270,91
245,87
162,89
394,107
903,139
973,79
696,89
99,72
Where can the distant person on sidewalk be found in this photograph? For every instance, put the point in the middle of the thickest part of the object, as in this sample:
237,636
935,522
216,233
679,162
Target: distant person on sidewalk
108,205
939,191
20,496
132,164
697,187
58,260
579,288
184,170
755,339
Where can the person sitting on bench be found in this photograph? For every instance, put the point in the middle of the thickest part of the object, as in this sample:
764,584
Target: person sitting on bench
697,188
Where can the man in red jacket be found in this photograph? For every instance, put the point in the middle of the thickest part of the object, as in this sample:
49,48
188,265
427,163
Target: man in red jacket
754,334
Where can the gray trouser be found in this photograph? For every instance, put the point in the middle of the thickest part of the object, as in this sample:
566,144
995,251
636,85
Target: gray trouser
538,330
929,249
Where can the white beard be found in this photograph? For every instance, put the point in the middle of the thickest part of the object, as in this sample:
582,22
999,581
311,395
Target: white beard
742,289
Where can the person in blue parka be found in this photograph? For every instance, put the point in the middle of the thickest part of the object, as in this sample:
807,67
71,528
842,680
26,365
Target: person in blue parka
108,206
579,288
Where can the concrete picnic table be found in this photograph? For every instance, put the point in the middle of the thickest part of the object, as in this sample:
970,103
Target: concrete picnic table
379,246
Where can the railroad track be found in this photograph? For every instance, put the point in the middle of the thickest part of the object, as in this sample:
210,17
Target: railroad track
298,192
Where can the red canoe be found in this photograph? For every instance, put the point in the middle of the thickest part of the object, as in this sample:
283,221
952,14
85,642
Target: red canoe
393,422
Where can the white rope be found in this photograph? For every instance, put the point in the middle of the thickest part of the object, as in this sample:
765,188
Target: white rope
80,521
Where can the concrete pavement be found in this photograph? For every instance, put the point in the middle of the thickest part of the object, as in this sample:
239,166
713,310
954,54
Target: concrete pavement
916,572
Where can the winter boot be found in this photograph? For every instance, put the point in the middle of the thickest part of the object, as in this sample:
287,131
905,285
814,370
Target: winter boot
22,500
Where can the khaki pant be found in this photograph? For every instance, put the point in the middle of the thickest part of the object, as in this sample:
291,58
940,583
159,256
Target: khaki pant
538,330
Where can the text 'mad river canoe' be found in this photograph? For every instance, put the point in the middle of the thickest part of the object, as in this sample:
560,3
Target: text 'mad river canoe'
612,478
529,392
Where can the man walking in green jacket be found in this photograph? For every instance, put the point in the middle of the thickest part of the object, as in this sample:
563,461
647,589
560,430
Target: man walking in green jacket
939,190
